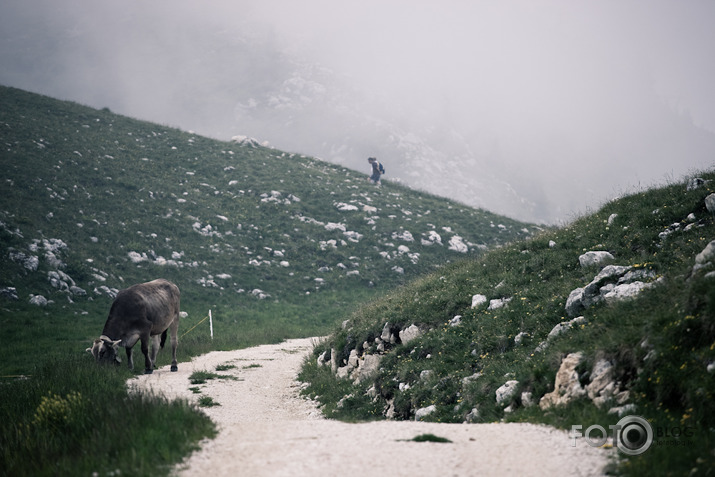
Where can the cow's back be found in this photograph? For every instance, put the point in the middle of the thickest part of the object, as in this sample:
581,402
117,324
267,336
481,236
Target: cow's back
156,302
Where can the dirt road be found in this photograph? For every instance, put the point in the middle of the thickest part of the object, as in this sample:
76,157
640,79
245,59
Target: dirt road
267,429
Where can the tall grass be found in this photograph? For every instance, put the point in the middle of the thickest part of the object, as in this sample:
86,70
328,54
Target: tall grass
71,417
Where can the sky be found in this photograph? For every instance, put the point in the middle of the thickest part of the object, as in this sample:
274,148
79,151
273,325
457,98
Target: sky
570,101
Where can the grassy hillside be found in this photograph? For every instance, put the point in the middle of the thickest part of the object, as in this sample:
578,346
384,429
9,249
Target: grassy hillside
276,245
656,349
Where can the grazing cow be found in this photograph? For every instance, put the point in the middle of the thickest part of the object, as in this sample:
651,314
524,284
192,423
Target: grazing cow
140,312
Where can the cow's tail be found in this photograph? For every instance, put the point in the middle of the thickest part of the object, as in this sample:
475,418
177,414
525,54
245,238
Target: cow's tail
163,339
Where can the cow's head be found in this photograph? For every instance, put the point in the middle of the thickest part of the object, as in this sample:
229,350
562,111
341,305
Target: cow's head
105,350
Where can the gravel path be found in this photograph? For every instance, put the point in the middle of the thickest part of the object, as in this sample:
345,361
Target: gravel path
267,429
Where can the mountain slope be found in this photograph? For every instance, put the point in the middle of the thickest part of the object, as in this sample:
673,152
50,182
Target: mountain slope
93,202
608,317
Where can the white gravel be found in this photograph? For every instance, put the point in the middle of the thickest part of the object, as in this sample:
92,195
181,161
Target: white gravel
267,429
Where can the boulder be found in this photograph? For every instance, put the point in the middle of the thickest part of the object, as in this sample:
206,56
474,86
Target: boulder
574,303
472,416
498,303
478,300
710,203
566,385
704,258
594,258
38,300
367,367
409,333
506,391
696,183
424,412
625,291
602,386
527,399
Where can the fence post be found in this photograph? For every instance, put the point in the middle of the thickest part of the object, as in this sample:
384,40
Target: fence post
211,325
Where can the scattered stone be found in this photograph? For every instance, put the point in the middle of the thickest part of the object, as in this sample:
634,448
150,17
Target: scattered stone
455,321
506,391
498,303
520,337
602,386
409,333
710,203
38,300
574,303
594,258
472,416
9,292
424,412
367,367
626,291
561,327
623,410
704,258
478,300
527,399
696,183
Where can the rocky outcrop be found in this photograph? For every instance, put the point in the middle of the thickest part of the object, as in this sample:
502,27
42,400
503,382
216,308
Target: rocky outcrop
362,362
568,386
612,283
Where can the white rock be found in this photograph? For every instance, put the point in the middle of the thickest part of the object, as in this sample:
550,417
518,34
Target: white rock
409,333
478,300
473,415
505,392
424,412
594,258
626,291
520,337
527,399
457,244
566,385
710,203
38,300
498,303
707,254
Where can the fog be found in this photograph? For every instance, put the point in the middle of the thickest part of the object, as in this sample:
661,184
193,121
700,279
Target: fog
537,110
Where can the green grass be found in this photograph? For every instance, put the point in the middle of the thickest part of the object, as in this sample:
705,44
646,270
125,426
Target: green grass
72,417
200,377
430,438
207,401
660,343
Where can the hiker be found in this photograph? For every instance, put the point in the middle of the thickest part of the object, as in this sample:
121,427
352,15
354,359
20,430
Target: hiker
376,172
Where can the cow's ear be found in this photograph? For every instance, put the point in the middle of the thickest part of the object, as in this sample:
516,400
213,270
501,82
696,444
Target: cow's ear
117,358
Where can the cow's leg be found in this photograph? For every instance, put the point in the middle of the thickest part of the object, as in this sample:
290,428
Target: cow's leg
154,349
148,363
174,331
130,361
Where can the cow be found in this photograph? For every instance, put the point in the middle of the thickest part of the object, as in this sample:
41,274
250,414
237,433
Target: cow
140,312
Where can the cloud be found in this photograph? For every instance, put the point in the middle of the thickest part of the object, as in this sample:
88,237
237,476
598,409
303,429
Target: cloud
539,109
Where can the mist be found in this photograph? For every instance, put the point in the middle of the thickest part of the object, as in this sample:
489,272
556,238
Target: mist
537,110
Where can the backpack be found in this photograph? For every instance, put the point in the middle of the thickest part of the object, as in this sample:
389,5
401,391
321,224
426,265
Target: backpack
379,166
